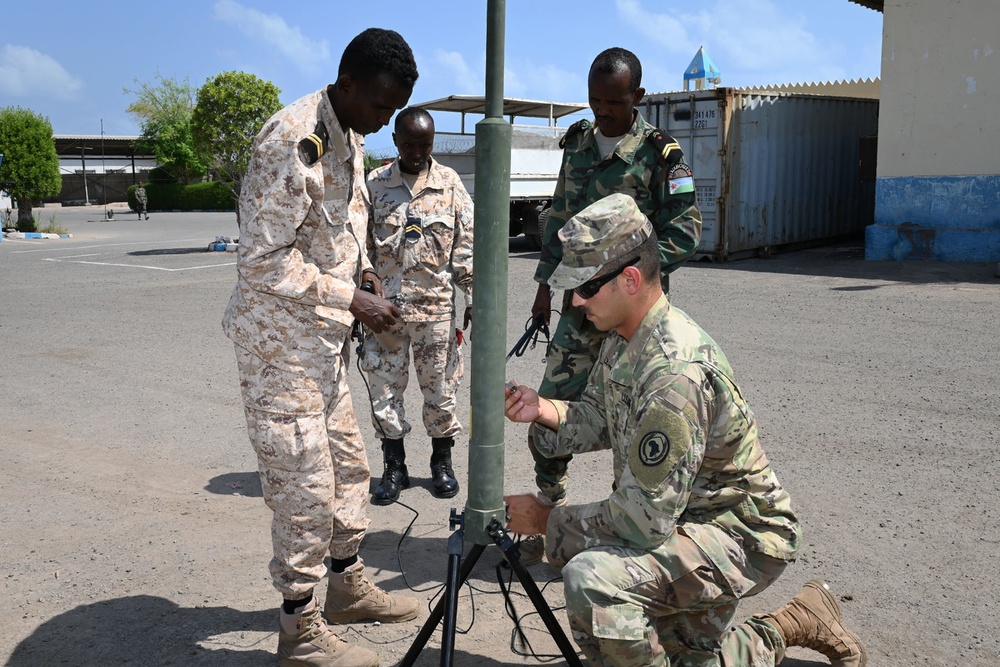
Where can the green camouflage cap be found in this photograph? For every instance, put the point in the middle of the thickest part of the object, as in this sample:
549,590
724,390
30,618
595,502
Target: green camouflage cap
600,233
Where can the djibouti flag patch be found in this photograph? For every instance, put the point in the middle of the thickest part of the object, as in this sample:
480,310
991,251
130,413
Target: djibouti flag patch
681,179
681,185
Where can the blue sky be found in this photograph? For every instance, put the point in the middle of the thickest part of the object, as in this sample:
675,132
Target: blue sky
70,60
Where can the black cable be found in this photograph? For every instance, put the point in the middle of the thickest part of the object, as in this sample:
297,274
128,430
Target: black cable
532,329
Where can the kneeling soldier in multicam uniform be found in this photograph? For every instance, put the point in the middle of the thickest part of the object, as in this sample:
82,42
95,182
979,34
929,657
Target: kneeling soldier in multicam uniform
420,243
696,519
304,216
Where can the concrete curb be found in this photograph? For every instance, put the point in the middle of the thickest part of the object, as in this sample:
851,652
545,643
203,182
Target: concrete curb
224,244
36,235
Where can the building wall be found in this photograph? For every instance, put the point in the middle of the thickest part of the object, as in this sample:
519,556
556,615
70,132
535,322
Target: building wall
938,187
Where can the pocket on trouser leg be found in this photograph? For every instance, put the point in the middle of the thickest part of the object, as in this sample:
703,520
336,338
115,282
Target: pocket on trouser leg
625,639
292,451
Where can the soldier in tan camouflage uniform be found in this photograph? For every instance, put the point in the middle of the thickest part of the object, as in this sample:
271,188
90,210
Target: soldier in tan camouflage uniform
696,519
617,152
420,243
304,216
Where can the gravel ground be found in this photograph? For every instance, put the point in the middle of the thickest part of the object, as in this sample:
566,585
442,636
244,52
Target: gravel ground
133,529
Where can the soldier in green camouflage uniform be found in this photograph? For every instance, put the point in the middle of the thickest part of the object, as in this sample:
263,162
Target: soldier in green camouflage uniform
696,519
619,152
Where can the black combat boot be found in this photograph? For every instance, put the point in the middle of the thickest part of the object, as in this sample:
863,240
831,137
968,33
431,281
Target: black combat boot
445,484
394,477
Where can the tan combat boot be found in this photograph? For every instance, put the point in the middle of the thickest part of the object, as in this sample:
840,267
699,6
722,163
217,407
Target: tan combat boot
305,641
812,620
351,596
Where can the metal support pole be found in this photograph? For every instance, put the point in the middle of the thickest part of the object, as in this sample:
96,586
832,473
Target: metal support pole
489,319
83,160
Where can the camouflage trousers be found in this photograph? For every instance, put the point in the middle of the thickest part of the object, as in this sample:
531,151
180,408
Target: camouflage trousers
313,467
571,354
437,361
666,607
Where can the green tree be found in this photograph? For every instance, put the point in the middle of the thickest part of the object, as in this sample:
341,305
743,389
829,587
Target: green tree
30,168
230,111
164,110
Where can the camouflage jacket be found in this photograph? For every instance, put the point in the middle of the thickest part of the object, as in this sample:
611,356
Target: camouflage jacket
685,447
303,227
418,268
661,185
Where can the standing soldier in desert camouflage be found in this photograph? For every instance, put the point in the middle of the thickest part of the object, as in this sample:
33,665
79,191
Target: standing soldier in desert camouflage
618,152
420,244
141,201
304,215
696,518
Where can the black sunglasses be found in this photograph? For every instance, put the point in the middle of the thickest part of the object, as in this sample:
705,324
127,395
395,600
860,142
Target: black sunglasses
589,289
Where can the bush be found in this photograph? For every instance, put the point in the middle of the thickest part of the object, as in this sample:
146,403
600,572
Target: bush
206,196
27,224
161,175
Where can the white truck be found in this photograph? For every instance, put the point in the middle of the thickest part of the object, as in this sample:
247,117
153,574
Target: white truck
535,156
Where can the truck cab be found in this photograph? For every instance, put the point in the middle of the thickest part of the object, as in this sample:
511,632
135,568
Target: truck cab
535,156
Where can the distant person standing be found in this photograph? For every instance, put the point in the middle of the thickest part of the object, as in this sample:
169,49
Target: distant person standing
420,245
141,201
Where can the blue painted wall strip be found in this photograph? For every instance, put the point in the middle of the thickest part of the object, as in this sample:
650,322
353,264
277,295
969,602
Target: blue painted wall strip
948,218
960,202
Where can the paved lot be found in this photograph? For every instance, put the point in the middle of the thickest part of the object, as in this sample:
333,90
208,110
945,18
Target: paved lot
133,530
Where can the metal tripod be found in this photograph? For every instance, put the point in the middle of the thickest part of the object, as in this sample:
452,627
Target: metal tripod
459,571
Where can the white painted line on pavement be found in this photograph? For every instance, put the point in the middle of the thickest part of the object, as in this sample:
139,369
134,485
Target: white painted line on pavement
136,266
104,245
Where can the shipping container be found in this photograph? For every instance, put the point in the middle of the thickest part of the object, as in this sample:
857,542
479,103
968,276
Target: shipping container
773,171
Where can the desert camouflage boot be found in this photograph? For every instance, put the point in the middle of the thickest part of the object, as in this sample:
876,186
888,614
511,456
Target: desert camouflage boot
304,640
351,597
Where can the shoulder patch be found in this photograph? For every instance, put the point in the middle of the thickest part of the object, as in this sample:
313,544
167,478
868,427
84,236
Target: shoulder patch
315,145
576,128
668,148
662,440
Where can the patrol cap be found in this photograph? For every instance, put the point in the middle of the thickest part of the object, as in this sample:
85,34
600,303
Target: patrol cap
602,232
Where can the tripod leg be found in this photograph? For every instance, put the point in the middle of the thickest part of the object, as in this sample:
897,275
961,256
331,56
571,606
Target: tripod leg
432,621
510,552
456,545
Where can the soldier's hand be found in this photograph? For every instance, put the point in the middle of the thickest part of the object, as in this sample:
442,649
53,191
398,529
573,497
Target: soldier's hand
521,404
376,282
528,515
542,305
373,311
468,318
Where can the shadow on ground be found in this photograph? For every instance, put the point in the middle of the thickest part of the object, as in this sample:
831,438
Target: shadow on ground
847,260
168,251
236,484
148,630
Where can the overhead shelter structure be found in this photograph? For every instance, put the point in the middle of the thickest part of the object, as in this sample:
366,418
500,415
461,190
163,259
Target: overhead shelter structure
938,175
96,168
513,107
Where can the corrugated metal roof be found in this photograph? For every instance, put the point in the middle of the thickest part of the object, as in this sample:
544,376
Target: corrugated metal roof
860,88
512,106
877,5
95,145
